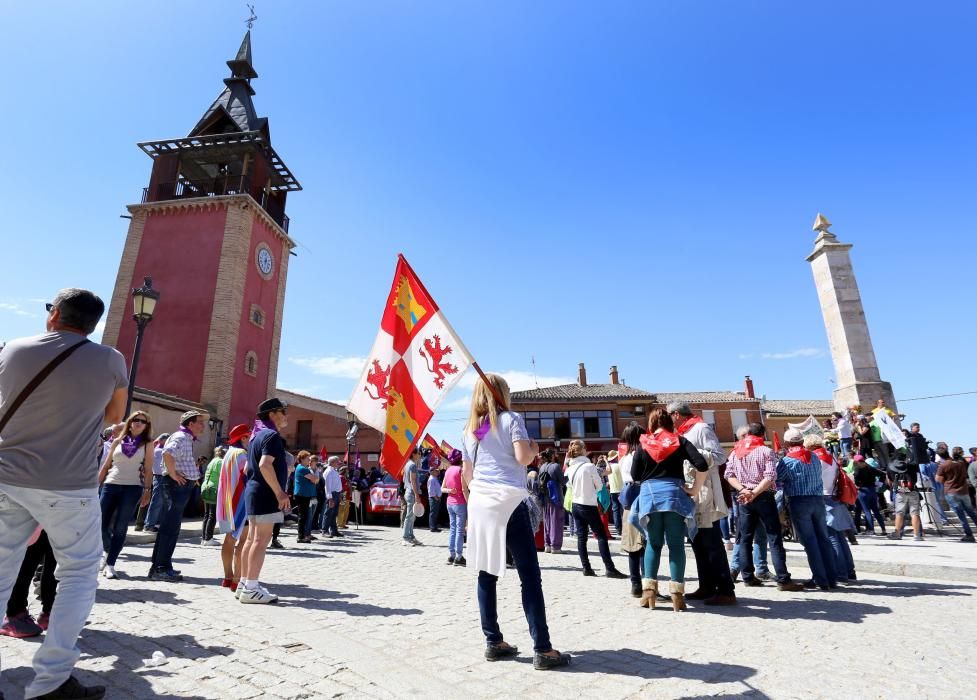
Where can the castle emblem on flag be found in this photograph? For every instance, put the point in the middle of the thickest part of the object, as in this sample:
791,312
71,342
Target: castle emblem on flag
435,353
401,426
378,378
407,307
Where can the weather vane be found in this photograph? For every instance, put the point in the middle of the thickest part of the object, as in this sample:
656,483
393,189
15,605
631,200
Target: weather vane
251,20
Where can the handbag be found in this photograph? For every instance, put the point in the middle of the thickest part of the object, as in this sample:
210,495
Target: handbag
36,381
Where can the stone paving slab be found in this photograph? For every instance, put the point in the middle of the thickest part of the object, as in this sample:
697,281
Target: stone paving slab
364,617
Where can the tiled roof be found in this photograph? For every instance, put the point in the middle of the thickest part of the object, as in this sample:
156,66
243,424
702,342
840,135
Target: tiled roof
575,392
703,397
801,407
618,392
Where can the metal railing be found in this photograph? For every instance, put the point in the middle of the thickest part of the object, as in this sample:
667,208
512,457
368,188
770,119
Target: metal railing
216,187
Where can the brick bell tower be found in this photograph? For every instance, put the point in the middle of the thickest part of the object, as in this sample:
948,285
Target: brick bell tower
211,231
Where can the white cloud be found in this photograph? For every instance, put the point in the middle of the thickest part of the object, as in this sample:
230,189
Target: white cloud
17,310
793,354
519,380
332,366
746,355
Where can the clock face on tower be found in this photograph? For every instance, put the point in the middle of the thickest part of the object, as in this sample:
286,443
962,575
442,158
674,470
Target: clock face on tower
265,261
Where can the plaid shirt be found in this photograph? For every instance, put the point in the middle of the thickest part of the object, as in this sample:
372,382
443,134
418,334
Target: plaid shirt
759,464
799,479
179,446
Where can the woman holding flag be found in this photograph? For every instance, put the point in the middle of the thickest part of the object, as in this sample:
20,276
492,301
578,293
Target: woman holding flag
496,450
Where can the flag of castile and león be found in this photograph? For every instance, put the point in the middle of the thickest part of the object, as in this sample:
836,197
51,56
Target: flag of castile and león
415,361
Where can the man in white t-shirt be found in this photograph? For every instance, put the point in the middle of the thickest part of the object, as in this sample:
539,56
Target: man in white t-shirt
49,470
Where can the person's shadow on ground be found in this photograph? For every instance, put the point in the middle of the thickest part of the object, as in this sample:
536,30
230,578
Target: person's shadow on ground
640,664
127,676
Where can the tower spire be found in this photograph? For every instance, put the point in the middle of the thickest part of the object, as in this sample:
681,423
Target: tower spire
240,65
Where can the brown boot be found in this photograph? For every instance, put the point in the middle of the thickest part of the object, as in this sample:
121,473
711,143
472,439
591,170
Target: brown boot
649,593
678,595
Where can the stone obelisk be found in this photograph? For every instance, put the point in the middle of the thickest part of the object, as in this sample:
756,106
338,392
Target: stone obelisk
856,370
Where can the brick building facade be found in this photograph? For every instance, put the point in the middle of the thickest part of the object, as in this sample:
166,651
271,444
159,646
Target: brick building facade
598,413
314,424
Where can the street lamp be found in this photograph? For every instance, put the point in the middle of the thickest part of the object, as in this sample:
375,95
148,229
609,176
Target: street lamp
143,306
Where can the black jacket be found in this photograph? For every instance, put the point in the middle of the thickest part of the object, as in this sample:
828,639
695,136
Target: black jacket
916,450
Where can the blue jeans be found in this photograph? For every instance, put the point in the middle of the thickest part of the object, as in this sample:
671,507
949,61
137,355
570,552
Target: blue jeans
868,497
118,503
616,509
811,527
329,525
960,503
175,499
434,505
763,509
409,500
155,503
759,551
520,540
843,561
457,516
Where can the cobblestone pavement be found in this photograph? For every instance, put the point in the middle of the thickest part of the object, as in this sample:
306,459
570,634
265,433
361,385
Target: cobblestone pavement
364,617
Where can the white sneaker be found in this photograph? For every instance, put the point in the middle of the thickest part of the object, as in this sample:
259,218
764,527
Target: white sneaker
109,572
239,591
258,597
212,542
267,592
101,562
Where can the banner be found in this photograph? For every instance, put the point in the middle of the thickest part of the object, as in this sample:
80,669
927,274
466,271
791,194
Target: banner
415,361
891,432
808,427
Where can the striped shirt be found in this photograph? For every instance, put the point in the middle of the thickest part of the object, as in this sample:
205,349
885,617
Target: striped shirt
759,464
179,446
799,479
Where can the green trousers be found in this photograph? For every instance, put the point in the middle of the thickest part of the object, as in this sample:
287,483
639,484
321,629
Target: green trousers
666,527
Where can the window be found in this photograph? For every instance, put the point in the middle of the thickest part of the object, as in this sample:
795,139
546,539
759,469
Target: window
564,425
251,363
577,427
738,416
709,418
547,428
303,434
257,316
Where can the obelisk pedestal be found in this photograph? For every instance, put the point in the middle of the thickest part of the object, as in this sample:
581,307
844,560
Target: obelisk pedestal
856,369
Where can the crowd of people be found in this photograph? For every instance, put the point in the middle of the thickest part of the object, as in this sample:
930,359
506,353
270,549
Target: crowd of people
68,492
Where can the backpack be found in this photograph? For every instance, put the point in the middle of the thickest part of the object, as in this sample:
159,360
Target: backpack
554,491
543,485
845,489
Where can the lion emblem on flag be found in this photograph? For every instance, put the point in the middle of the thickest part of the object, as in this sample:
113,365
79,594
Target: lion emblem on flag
378,379
434,356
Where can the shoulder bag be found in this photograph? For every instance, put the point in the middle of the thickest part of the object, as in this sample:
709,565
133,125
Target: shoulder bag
36,381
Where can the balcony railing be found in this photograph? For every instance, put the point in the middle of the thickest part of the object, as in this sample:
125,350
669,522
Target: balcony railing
216,187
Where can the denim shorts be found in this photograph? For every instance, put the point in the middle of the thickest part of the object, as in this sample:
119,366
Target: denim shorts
267,518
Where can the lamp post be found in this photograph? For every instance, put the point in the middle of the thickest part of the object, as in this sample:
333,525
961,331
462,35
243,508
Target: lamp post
351,433
143,306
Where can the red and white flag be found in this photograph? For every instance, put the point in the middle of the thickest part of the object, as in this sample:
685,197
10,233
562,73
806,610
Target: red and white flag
416,359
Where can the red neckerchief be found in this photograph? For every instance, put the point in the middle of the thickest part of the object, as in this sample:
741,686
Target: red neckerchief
824,456
747,445
800,453
660,445
687,425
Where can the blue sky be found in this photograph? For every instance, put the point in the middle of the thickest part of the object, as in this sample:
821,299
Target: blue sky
613,183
